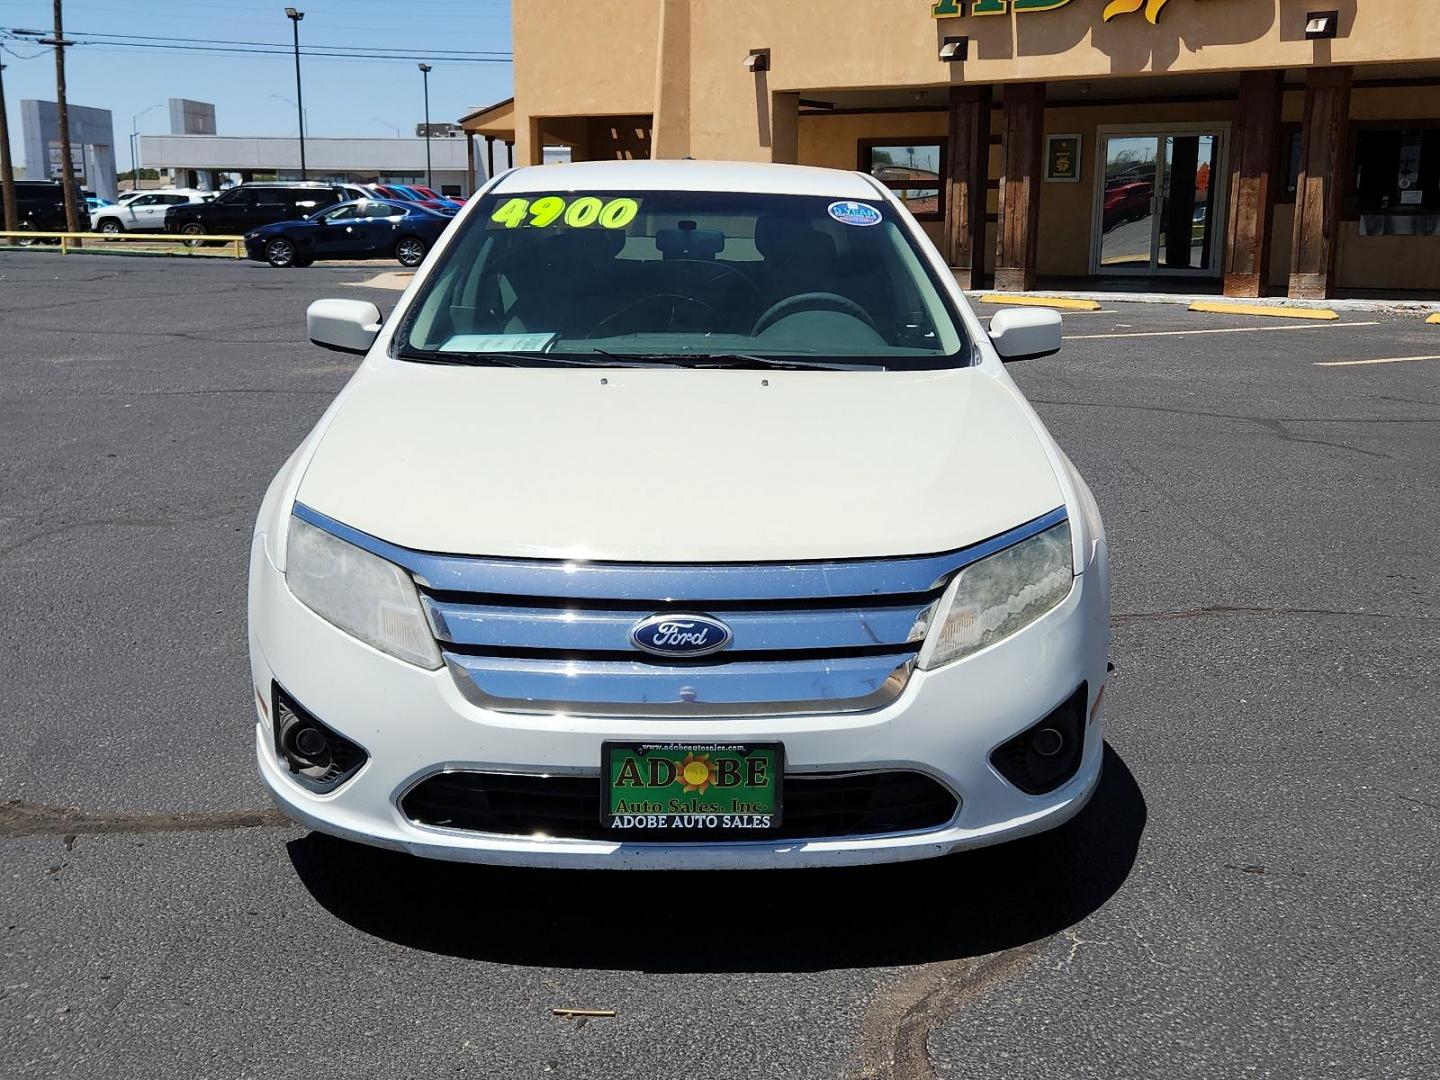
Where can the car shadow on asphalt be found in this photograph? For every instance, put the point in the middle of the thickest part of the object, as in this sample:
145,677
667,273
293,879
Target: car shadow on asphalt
968,904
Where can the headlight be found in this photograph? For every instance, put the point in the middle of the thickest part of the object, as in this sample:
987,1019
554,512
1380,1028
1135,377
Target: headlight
996,596
360,593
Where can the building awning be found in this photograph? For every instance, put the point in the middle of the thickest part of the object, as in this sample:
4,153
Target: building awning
493,121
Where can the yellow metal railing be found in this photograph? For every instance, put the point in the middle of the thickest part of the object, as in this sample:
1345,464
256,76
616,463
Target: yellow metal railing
234,246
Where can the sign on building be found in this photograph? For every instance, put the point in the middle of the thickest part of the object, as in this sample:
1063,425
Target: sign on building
77,160
1062,158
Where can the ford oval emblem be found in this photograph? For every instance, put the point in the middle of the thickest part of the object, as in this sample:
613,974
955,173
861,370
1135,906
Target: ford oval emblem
680,635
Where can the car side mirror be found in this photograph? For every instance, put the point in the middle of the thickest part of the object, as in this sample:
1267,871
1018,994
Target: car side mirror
343,325
1025,333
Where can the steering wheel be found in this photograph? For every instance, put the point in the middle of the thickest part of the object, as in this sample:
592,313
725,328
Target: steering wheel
656,298
718,272
822,301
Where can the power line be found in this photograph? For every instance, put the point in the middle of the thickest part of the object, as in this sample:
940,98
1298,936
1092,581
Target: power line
22,56
237,50
487,53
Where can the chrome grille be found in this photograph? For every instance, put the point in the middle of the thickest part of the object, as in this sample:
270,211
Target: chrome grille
542,636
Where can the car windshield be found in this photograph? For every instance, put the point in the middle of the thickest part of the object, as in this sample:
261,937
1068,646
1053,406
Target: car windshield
681,276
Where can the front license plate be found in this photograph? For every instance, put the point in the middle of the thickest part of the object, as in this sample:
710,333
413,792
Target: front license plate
719,789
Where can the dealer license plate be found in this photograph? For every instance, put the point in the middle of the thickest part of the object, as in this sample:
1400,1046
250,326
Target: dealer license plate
724,789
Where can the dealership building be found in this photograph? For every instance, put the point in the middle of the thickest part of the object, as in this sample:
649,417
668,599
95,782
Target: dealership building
211,161
1254,147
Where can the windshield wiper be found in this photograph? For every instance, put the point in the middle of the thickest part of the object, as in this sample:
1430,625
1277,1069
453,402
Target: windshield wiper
790,363
509,359
737,359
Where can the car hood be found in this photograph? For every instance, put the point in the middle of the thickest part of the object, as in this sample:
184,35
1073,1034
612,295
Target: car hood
679,465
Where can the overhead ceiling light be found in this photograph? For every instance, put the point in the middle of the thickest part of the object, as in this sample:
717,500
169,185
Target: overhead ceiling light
1321,24
758,60
954,48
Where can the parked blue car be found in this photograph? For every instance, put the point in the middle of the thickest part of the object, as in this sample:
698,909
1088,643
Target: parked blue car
362,229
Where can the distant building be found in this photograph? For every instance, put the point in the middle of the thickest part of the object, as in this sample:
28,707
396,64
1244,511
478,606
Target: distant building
192,117
92,144
216,161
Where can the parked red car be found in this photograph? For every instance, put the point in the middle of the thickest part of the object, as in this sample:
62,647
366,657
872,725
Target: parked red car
415,193
1126,201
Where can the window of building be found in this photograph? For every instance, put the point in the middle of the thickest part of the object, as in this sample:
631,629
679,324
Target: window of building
913,170
1397,169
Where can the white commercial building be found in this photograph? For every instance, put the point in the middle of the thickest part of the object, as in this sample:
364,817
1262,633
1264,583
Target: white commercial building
204,160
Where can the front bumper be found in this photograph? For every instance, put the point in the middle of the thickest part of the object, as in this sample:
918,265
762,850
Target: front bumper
413,723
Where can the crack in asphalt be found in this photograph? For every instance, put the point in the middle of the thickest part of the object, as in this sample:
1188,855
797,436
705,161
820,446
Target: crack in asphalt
1274,425
19,818
123,522
895,1034
1238,609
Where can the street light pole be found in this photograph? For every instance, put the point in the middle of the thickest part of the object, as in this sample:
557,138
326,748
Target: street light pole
429,174
7,167
135,146
295,17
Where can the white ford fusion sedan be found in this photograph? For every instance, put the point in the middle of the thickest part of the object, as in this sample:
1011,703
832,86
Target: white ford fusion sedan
682,514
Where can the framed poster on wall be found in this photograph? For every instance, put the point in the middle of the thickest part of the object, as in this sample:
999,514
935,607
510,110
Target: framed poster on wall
1062,159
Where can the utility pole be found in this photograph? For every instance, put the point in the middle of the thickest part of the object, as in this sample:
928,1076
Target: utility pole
67,167
429,174
295,17
7,168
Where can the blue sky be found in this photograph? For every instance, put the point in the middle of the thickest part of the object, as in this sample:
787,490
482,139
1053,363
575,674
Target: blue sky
342,96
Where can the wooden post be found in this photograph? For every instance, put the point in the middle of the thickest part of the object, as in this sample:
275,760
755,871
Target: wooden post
1255,161
1322,179
7,168
966,180
1023,135
67,166
470,163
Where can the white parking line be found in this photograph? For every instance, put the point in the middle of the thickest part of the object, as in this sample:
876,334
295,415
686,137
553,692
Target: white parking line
1382,360
1221,330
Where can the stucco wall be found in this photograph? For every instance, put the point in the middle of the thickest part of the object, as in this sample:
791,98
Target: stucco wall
595,58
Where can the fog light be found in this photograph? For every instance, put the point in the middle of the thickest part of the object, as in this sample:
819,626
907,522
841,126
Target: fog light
319,757
1047,742
309,743
1046,754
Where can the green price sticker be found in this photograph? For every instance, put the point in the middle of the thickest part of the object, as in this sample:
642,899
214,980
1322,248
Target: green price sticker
579,213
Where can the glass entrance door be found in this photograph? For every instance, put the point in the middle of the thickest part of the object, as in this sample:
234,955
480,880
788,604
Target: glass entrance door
1157,204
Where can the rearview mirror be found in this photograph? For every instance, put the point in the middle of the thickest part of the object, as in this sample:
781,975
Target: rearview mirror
1025,333
343,325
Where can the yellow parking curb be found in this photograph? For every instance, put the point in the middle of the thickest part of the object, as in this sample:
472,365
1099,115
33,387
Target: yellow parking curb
1434,318
1041,301
1264,309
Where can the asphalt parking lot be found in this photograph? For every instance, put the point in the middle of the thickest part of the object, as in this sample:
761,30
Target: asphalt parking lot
1252,892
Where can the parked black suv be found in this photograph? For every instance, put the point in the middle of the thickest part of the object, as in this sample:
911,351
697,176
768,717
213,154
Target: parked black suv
249,206
40,206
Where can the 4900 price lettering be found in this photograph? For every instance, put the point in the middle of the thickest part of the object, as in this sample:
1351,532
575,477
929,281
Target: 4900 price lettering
579,213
